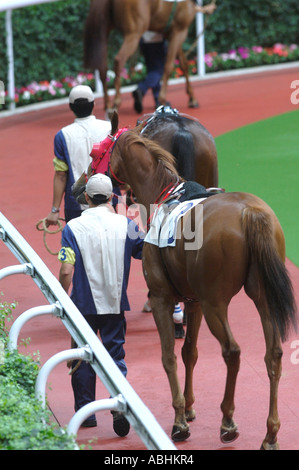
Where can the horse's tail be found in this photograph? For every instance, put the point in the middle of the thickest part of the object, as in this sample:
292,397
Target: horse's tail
96,32
271,269
184,152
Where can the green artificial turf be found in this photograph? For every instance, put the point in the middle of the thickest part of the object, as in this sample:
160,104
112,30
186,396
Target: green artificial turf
263,159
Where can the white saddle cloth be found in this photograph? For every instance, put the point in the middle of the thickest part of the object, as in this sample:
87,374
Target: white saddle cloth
163,229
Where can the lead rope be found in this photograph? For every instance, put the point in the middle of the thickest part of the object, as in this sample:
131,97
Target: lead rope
46,231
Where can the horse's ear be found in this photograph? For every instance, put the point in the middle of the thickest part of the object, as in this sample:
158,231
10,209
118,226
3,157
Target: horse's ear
114,123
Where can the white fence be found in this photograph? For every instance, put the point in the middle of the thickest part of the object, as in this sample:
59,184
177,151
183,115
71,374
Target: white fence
123,397
10,5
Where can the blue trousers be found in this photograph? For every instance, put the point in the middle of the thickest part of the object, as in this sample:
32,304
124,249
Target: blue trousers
112,329
155,55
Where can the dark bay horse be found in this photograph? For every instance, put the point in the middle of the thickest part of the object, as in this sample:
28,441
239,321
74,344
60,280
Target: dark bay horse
187,140
242,246
132,18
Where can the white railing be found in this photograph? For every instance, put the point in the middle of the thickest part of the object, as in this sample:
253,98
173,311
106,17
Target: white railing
10,5
123,397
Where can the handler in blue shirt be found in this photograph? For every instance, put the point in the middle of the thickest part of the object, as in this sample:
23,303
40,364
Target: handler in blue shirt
72,147
96,253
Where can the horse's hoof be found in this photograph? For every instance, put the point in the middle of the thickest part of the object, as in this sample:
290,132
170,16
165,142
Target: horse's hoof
229,435
267,446
193,104
109,113
179,434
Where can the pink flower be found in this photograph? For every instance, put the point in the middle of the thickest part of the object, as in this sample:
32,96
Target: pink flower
209,60
278,46
244,52
56,84
124,74
280,50
232,55
52,90
257,49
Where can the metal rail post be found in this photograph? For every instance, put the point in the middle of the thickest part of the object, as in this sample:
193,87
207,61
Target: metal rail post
53,309
70,354
113,404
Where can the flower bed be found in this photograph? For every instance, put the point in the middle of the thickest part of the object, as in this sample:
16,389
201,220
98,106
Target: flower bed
251,57
235,59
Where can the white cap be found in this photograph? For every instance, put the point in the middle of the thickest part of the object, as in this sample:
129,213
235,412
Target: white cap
99,184
81,91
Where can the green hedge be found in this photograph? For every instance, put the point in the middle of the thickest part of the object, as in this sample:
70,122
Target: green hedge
24,424
47,41
254,23
48,38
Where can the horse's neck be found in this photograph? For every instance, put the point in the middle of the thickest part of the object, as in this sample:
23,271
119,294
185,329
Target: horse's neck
147,177
146,189
145,194
149,195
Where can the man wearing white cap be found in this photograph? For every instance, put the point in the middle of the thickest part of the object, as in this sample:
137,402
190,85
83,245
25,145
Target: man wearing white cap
72,147
96,254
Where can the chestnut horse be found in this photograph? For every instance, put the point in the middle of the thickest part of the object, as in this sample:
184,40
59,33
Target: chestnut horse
132,18
242,246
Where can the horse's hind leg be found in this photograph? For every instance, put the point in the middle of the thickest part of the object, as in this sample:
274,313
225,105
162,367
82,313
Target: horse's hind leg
273,363
193,103
175,42
127,49
190,354
216,318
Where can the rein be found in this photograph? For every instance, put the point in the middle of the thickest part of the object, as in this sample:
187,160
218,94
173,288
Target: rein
171,187
168,190
111,173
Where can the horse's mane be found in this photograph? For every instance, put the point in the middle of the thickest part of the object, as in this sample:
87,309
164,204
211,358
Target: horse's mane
182,140
165,169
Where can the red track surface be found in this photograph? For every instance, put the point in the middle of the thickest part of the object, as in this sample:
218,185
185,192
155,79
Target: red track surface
25,195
